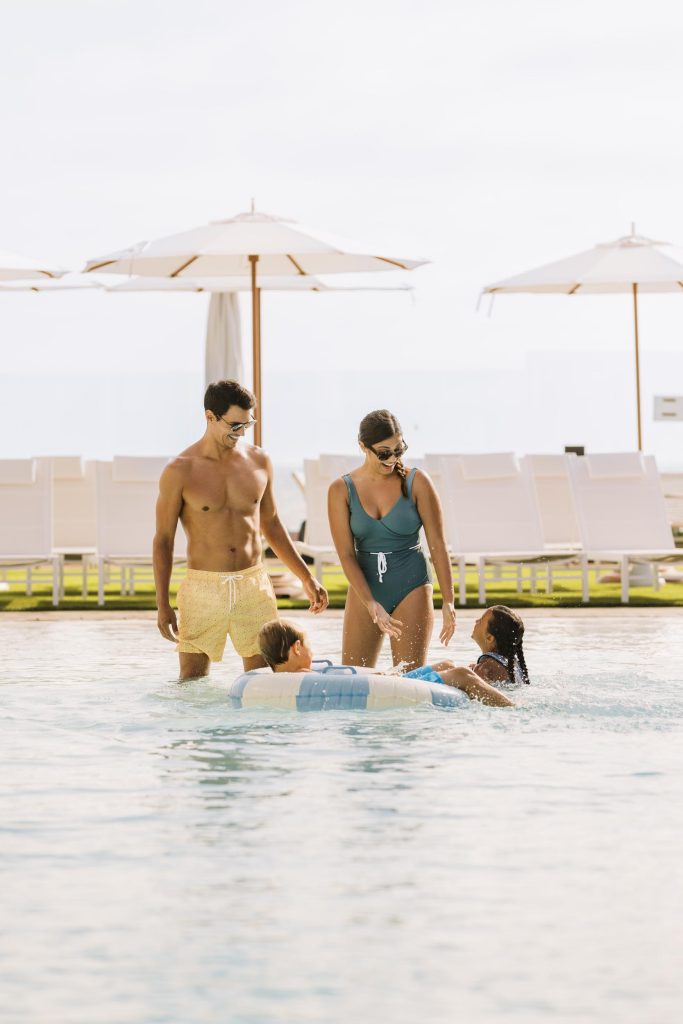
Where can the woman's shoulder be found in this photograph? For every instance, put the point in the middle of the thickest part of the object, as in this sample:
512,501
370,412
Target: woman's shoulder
339,488
421,480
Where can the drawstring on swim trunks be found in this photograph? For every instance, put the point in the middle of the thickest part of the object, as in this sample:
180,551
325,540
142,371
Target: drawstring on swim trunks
382,566
231,582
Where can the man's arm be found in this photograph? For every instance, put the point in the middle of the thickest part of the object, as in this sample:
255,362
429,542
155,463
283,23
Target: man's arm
169,504
279,540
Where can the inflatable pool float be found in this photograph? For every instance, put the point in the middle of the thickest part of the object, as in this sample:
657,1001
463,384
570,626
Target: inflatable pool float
338,687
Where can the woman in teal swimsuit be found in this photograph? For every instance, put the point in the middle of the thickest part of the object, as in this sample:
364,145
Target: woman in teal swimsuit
376,513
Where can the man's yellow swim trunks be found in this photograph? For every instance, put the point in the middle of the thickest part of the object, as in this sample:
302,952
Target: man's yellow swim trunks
212,605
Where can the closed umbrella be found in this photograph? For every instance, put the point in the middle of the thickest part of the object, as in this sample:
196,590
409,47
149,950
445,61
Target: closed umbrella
251,244
223,352
630,265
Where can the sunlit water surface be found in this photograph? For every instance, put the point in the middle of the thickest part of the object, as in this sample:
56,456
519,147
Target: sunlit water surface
166,858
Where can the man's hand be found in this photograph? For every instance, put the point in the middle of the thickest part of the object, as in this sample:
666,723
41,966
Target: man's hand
168,624
316,594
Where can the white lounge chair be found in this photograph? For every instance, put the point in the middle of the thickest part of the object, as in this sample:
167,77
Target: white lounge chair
491,515
26,521
622,515
127,491
74,504
672,485
74,512
317,541
559,520
332,466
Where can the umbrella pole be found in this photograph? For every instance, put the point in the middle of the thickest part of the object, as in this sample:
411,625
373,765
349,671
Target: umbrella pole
635,325
256,348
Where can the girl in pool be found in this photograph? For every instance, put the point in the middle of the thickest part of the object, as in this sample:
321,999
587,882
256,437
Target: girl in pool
499,634
287,649
376,513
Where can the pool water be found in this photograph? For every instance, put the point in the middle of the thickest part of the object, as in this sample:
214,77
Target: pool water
166,858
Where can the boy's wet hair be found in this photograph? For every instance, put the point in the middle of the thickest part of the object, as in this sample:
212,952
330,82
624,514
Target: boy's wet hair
275,640
220,395
507,629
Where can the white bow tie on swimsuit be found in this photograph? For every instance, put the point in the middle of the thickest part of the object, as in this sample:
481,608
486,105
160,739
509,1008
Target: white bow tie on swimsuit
382,566
381,563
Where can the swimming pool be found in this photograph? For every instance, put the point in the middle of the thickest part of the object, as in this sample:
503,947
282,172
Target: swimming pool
166,858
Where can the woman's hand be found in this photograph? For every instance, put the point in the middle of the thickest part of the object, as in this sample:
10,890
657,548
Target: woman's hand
383,620
448,628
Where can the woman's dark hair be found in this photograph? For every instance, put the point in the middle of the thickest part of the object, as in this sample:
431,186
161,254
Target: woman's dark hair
275,640
377,426
507,629
220,395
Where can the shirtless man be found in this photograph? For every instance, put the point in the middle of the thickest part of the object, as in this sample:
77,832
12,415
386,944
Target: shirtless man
223,496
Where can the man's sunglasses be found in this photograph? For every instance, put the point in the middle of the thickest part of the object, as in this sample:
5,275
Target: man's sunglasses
384,454
236,427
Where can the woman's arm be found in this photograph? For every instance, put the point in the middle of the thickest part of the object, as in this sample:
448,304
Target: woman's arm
429,507
338,513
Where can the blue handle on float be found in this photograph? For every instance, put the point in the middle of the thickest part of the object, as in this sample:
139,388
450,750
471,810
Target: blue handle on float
329,667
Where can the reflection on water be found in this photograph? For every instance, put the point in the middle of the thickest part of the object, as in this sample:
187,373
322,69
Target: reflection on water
167,857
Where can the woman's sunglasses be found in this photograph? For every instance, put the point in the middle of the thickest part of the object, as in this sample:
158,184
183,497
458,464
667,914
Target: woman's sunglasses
384,454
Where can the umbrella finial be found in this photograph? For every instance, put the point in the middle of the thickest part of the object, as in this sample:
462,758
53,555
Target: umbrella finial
633,229
253,209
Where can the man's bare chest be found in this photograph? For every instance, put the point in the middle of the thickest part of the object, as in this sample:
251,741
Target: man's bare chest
218,490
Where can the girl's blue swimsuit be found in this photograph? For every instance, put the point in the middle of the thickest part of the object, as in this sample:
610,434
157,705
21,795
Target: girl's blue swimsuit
388,549
518,677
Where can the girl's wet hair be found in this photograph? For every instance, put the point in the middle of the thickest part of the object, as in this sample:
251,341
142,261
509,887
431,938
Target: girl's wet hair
275,640
376,427
507,629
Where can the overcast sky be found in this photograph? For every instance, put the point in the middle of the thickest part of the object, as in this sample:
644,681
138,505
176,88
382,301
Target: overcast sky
488,137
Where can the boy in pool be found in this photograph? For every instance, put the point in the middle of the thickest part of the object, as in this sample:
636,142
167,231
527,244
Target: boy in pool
499,633
286,649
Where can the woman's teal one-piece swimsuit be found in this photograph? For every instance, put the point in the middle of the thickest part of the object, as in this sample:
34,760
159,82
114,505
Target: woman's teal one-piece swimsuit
388,549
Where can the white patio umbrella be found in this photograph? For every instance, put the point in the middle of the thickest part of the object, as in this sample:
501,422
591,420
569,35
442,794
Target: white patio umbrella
631,264
251,244
223,354
70,282
13,266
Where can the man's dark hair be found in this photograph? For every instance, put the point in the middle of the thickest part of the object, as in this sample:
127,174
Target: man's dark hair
220,395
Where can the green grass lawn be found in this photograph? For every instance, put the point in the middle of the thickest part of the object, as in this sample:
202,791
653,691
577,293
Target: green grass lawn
567,594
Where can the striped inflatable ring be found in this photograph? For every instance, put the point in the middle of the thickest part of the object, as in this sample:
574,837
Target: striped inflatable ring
338,687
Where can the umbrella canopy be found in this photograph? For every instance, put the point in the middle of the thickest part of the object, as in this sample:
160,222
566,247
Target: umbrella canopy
308,283
13,266
631,264
251,244
70,282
